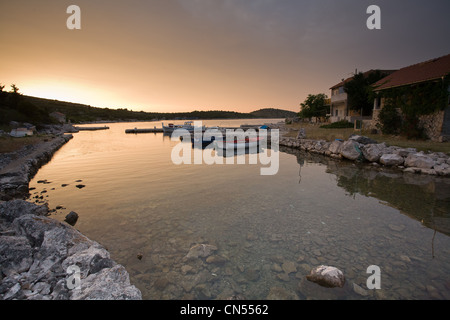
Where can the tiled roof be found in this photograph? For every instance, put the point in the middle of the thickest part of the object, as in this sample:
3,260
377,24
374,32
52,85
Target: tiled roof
340,84
429,70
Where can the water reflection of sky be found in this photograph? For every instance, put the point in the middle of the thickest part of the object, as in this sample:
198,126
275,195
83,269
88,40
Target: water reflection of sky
315,210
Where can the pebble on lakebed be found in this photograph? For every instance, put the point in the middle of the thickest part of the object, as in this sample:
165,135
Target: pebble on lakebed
327,276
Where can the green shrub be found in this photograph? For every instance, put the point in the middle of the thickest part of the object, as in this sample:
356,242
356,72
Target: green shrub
338,125
412,130
390,121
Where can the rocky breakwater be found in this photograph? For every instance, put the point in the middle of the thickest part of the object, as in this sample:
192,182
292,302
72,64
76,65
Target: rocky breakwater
18,168
362,149
44,259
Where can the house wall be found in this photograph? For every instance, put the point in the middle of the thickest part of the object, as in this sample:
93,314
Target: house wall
338,107
338,112
435,124
19,133
341,97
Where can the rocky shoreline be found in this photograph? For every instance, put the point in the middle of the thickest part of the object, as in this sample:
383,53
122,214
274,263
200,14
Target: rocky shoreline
18,168
42,258
362,149
38,255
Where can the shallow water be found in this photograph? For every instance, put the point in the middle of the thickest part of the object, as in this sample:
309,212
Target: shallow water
269,230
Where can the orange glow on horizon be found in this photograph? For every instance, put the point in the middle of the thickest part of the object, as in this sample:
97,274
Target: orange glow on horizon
184,55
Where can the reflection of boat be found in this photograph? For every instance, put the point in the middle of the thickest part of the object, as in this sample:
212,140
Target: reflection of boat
202,141
206,139
247,143
236,152
188,125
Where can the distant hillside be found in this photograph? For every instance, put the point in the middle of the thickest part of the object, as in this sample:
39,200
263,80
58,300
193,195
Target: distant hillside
21,108
273,113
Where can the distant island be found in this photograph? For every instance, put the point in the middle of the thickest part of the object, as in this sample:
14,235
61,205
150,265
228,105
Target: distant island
22,108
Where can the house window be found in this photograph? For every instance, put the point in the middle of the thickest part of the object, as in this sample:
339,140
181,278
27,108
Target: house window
448,90
336,113
377,103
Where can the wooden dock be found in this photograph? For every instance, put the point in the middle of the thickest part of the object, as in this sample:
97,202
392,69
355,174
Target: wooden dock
91,128
223,129
147,130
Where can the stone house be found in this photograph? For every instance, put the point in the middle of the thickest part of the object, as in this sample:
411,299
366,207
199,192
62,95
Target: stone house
21,132
437,124
339,109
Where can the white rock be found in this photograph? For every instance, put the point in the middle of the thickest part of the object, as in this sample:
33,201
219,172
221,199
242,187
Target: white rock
107,284
373,152
419,160
327,276
351,150
335,147
391,160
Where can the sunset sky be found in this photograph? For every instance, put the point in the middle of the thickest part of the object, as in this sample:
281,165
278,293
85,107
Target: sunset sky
184,55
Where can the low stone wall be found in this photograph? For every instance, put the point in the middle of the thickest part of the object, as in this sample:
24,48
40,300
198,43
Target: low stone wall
14,182
38,255
432,124
359,148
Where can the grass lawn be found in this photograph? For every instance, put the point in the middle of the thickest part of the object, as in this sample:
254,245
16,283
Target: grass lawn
317,133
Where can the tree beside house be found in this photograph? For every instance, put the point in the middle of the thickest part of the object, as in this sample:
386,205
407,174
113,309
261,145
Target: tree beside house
351,98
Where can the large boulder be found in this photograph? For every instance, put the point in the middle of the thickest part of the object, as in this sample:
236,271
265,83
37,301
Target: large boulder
37,253
335,147
34,227
327,276
391,159
15,255
362,139
419,160
373,152
350,149
10,210
90,260
107,284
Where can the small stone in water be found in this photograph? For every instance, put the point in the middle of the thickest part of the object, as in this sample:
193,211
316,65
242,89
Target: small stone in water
71,218
327,276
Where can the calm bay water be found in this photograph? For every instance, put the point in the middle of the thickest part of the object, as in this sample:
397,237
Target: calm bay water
269,230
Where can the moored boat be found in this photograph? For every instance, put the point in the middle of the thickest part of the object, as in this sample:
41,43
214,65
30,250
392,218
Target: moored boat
188,125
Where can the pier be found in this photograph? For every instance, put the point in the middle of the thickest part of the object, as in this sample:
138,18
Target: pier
91,128
147,130
223,129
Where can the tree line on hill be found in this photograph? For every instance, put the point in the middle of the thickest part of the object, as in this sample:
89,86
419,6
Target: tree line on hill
17,107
